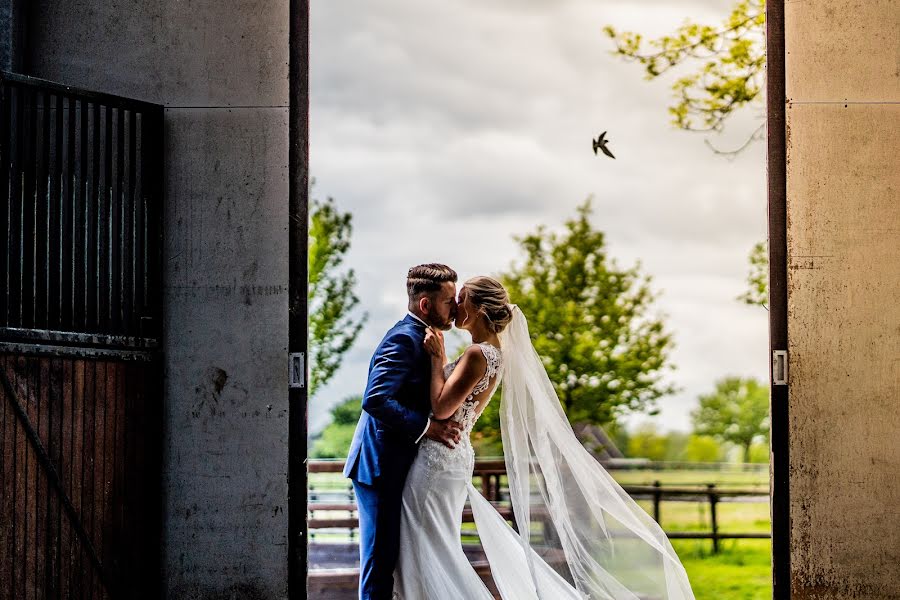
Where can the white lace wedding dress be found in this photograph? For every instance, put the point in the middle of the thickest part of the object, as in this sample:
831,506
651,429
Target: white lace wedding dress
568,509
432,564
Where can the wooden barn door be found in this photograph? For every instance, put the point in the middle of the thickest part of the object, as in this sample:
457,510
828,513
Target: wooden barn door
80,323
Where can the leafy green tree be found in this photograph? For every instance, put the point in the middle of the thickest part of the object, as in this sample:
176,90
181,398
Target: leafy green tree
757,293
618,433
347,412
676,445
728,65
737,412
332,300
646,441
703,448
590,322
759,453
334,441
485,435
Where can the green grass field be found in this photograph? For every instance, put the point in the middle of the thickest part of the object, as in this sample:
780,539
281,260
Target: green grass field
741,571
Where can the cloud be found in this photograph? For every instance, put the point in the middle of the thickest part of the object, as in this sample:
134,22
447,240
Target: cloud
448,128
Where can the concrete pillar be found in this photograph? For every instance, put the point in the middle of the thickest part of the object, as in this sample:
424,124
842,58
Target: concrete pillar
843,208
221,70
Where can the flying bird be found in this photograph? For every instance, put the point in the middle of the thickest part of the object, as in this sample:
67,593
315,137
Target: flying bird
600,143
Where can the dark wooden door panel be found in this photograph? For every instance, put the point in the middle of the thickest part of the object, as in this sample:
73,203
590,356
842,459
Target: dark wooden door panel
99,424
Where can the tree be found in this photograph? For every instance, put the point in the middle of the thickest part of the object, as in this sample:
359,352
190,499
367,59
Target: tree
759,453
730,66
647,442
347,412
757,293
590,323
334,441
332,300
737,412
702,448
676,445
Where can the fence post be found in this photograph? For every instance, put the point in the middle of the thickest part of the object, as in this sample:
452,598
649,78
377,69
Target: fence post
657,496
713,500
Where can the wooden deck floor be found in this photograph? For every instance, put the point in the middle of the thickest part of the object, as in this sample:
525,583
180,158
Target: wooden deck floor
334,570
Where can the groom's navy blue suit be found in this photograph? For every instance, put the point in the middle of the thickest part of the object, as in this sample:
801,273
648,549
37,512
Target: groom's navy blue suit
395,414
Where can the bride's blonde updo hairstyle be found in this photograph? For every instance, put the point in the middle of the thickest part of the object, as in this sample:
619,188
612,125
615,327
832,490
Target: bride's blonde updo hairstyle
491,299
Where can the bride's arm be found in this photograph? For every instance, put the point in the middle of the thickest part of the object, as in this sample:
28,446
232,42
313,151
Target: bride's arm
447,396
437,379
434,343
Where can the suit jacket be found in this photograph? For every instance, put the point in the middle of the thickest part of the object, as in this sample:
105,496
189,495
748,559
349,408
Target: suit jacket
395,406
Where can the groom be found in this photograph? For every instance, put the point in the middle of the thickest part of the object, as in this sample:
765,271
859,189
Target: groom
394,419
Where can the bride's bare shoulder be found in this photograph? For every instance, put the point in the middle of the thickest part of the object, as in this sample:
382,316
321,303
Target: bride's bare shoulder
474,353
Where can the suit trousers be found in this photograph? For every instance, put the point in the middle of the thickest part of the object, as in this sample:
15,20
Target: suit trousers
379,507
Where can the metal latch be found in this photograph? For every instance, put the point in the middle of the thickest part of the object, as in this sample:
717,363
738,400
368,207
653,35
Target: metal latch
297,369
779,367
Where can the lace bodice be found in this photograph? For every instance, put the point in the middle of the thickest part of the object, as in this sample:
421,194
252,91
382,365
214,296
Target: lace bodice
466,414
439,456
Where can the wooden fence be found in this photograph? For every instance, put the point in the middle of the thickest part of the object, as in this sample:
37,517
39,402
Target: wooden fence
710,493
489,473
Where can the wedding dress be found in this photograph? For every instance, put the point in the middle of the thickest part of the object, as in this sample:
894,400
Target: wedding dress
579,534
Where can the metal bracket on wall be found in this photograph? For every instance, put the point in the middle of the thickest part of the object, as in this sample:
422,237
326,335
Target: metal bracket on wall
779,367
297,369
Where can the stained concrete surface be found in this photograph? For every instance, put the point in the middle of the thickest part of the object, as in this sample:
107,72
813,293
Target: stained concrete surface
842,50
200,53
843,123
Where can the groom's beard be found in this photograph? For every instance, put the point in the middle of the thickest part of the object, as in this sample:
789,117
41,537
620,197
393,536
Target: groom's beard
438,323
442,325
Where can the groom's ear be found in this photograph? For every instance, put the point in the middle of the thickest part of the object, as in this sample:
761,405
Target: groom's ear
424,304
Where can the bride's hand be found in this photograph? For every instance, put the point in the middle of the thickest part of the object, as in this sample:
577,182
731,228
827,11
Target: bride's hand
434,342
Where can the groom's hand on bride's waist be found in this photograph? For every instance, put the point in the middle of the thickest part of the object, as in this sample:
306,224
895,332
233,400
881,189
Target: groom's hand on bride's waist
446,432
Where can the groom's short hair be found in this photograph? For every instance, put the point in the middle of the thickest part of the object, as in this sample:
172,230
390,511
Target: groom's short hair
428,278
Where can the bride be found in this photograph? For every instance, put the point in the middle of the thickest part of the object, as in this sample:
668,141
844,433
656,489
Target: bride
578,534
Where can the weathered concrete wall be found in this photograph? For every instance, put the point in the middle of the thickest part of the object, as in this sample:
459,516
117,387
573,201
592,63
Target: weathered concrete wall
843,125
221,69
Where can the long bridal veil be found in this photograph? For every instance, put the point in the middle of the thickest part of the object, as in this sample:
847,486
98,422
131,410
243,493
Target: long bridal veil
570,513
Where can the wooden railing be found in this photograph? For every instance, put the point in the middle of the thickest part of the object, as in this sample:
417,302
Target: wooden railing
490,471
710,493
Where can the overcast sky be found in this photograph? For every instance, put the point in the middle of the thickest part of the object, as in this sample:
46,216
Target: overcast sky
447,128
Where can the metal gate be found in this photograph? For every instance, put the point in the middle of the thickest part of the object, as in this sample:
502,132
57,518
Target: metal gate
80,322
